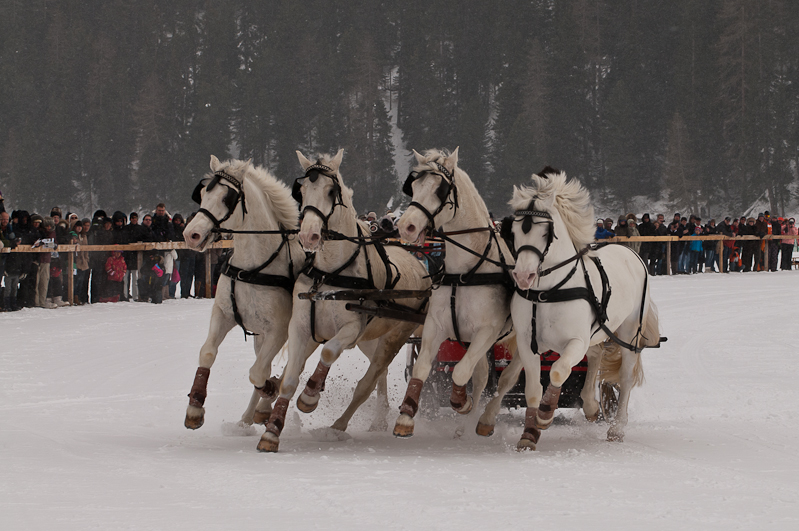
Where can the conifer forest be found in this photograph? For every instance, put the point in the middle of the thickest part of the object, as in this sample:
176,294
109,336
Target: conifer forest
120,103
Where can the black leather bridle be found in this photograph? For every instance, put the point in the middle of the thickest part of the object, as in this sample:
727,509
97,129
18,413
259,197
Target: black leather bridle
447,192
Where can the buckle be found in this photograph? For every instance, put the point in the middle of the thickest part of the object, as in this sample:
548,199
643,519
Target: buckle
542,296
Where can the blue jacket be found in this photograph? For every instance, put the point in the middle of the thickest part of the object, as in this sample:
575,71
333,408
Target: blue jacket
603,233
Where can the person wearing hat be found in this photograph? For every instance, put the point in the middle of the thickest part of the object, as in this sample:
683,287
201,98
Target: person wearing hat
761,229
646,228
775,229
725,229
749,247
601,232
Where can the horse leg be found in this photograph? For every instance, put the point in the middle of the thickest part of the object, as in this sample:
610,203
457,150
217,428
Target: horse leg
267,345
431,340
588,393
219,327
629,360
387,348
300,349
379,422
561,369
460,401
532,391
509,377
344,339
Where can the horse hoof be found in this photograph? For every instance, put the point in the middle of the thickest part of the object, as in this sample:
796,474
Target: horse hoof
269,443
466,408
304,406
525,445
484,430
261,417
404,426
615,436
194,423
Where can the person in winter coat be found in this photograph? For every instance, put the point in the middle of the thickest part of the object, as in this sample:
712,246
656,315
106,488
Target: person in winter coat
151,278
46,238
632,231
601,232
774,245
694,249
786,246
725,229
761,229
646,228
115,268
100,234
749,247
709,246
82,271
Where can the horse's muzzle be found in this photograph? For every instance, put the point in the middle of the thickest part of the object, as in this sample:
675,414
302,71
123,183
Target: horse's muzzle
524,279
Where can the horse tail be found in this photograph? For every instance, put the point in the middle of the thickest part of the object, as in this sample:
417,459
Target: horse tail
610,364
650,331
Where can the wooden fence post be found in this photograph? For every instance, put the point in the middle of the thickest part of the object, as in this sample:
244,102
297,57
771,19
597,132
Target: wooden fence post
668,258
720,252
71,281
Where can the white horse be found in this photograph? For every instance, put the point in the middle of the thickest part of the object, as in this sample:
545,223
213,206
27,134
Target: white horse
340,264
473,303
572,299
258,279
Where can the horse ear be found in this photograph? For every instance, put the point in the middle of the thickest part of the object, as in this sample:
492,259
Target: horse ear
419,158
452,161
305,163
215,164
336,162
249,162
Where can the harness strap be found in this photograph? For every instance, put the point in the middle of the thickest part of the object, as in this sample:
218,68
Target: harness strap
236,314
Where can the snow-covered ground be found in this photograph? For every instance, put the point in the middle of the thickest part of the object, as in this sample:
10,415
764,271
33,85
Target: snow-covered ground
92,401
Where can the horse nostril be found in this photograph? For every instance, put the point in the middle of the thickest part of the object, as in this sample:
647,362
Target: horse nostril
411,228
195,236
314,238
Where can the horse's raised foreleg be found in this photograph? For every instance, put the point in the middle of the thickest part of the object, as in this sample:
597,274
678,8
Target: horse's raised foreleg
561,369
432,338
218,329
344,339
482,340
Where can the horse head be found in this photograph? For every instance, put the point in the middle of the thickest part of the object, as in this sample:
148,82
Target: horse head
552,220
319,192
532,230
220,195
434,196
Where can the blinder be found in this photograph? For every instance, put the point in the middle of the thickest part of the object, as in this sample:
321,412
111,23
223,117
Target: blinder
234,194
443,191
312,173
527,216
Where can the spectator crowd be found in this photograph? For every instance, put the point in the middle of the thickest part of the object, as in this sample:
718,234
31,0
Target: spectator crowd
696,256
37,279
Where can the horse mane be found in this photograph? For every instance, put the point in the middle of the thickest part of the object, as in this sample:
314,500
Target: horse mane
277,195
572,201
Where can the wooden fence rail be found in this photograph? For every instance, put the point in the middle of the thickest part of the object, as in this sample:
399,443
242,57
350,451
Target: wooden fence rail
69,250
